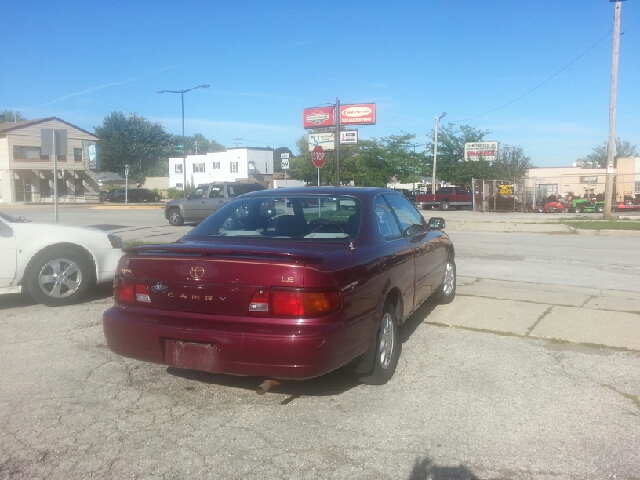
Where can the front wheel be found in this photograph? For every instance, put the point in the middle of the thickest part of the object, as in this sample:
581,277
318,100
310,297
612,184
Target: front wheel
59,277
387,349
175,218
600,208
540,209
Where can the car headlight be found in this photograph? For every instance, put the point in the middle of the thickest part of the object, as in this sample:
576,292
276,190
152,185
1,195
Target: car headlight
116,241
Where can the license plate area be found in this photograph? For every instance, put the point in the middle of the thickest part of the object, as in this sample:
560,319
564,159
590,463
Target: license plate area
191,355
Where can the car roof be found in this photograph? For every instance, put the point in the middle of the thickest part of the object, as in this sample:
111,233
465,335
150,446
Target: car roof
360,192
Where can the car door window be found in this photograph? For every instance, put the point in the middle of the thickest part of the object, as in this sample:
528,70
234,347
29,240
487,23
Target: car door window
409,218
386,220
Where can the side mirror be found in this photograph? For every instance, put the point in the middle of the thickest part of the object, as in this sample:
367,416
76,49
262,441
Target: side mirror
436,223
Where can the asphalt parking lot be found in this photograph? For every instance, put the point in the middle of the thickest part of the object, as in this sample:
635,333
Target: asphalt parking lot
532,372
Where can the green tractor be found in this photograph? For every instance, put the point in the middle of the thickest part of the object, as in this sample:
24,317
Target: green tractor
583,205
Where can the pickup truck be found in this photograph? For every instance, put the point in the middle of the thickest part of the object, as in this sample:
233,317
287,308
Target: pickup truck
445,198
205,200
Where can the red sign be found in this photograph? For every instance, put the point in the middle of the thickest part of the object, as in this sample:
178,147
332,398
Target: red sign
318,156
318,117
360,114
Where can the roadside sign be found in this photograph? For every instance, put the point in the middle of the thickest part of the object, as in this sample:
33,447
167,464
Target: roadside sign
325,140
349,137
318,156
285,163
284,155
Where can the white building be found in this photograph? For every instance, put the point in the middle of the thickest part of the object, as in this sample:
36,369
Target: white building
235,164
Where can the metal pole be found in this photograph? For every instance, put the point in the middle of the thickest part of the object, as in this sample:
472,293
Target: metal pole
55,177
435,154
337,142
611,150
184,155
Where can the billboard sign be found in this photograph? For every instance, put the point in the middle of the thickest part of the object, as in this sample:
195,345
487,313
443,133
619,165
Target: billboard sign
325,140
318,117
360,114
488,151
589,179
349,137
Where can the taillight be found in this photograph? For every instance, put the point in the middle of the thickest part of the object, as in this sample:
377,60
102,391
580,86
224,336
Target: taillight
129,292
301,303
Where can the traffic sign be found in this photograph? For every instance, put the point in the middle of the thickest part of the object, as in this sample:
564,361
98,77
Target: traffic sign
285,163
318,156
284,155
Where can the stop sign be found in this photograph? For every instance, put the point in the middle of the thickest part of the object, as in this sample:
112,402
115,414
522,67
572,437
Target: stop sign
317,155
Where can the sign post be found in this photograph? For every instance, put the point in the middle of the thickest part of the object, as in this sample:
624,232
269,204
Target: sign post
284,158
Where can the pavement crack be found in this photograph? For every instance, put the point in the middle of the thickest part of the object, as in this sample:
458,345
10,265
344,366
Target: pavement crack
634,398
540,318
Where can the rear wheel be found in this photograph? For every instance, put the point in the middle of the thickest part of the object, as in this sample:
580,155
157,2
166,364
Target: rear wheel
59,277
175,218
447,291
387,349
444,205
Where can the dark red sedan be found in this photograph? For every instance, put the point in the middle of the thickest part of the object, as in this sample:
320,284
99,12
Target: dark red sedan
285,284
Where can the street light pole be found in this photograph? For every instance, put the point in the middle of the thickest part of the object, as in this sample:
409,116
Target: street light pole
435,153
184,155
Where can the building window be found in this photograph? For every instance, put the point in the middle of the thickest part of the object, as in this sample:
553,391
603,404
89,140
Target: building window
637,187
198,168
178,185
178,168
234,167
216,165
28,153
77,154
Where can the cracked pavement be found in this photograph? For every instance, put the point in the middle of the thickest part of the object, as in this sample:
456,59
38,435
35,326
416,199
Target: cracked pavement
532,372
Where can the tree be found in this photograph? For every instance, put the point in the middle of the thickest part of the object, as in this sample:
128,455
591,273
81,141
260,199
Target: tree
128,139
510,164
451,140
196,144
598,157
9,116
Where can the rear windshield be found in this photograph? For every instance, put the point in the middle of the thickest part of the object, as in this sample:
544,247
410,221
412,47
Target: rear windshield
302,217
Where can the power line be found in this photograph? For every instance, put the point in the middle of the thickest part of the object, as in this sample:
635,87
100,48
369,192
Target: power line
539,85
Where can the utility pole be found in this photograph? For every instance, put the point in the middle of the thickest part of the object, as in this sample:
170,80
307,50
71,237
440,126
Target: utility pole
337,142
611,145
435,153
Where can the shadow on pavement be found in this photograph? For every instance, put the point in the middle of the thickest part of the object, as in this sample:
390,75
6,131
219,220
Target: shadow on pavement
425,469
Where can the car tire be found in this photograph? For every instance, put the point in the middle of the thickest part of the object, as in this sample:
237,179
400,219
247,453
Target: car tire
175,218
578,209
58,277
444,205
447,291
387,349
540,209
600,208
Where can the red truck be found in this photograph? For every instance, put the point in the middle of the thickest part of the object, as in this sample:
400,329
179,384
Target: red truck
446,198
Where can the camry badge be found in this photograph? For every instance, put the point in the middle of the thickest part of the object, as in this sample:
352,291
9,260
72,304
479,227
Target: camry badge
197,272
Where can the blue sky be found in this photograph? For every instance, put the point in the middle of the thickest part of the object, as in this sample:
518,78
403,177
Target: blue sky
266,61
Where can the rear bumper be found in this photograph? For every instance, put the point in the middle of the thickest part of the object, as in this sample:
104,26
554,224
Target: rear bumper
275,348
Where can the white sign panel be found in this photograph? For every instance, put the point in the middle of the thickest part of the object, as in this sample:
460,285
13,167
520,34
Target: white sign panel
324,140
488,151
285,164
349,137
